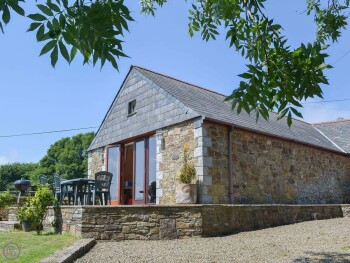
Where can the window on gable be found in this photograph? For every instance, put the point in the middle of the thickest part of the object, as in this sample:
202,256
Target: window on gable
132,107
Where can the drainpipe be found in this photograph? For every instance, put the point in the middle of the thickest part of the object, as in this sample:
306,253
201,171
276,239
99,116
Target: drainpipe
230,164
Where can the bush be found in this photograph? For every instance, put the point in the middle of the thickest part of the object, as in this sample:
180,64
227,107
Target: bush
5,199
188,171
36,207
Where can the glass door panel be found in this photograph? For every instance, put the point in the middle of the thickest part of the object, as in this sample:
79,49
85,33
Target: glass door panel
152,155
139,172
113,167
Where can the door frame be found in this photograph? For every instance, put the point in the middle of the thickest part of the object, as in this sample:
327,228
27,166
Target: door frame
121,169
145,193
119,199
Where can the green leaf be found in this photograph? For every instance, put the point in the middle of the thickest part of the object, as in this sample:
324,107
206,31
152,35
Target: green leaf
40,33
37,17
282,114
64,50
296,112
65,3
245,75
33,26
73,52
62,21
50,45
6,14
54,56
53,7
1,28
19,10
56,24
289,119
47,11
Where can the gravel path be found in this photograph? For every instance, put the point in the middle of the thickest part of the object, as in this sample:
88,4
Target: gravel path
314,241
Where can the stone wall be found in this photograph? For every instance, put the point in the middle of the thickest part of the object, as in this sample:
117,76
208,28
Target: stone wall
228,219
130,222
71,218
96,161
170,159
184,221
217,153
270,170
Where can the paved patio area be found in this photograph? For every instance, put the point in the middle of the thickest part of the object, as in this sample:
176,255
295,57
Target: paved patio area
313,241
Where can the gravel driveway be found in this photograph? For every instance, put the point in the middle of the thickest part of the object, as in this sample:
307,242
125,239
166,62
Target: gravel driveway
314,241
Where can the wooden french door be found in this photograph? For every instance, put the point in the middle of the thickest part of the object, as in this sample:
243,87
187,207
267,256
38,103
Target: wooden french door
145,171
139,189
114,167
133,166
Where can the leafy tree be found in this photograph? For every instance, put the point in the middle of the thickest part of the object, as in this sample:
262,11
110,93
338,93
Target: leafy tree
67,157
278,77
9,173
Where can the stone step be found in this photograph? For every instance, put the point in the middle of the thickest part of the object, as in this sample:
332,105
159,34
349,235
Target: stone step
9,225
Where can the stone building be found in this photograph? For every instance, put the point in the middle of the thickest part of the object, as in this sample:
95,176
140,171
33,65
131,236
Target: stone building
237,159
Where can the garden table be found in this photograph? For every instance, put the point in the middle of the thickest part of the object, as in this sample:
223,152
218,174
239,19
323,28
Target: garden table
81,188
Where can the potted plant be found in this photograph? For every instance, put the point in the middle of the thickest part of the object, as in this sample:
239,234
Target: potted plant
5,201
186,191
34,211
25,215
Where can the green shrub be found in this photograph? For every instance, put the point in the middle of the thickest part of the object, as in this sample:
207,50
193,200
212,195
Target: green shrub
5,199
187,171
36,207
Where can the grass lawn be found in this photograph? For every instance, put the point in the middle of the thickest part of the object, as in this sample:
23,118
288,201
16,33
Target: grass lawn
33,247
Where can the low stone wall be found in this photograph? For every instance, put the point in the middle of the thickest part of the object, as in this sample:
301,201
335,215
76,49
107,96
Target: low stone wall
171,222
228,219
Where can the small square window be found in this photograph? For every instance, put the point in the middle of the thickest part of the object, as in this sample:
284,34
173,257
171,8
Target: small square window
132,107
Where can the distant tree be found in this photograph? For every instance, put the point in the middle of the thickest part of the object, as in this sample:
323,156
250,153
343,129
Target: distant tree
67,157
9,173
277,76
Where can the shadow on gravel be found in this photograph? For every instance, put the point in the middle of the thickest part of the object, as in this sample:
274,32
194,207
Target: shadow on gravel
325,257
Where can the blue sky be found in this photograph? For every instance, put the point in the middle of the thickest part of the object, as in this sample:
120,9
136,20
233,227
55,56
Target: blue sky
35,97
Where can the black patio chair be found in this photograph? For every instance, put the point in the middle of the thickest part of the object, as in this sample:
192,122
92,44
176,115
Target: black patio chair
102,189
61,192
42,178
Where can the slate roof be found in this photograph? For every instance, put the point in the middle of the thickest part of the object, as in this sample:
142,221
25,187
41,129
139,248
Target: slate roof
211,106
337,131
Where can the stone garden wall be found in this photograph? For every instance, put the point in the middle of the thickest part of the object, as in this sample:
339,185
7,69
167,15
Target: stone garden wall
171,222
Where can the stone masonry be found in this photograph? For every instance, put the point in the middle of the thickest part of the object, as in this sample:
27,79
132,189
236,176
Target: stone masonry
217,164
271,170
96,161
170,160
183,221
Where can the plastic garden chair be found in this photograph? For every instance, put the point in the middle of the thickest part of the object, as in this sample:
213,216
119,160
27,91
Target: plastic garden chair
102,189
